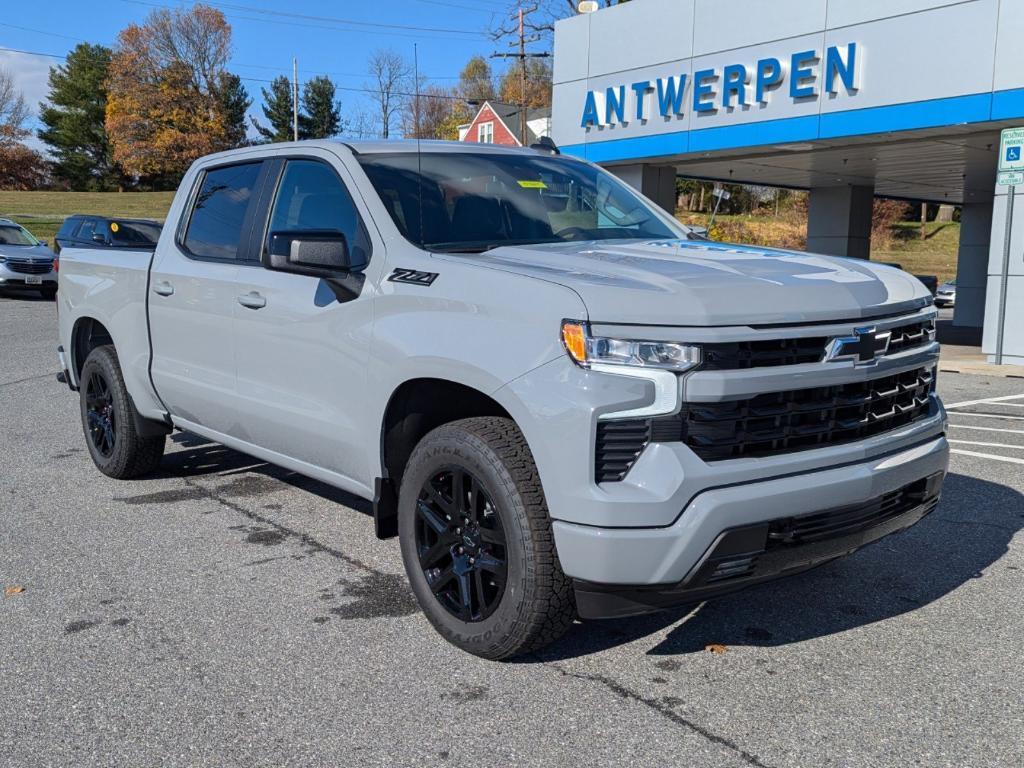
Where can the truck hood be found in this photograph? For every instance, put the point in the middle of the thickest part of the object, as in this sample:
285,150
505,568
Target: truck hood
699,283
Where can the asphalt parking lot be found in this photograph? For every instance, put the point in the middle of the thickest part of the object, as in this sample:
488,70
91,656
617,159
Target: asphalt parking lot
227,612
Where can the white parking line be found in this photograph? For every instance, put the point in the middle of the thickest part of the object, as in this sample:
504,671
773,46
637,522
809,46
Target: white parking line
986,400
989,416
987,445
1008,459
989,429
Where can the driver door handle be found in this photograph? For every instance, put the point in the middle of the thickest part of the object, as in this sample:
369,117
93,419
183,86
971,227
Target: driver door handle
252,300
163,288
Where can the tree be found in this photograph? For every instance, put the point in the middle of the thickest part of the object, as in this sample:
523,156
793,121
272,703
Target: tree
13,111
74,116
277,108
233,102
322,112
476,82
20,167
391,79
440,112
538,84
165,105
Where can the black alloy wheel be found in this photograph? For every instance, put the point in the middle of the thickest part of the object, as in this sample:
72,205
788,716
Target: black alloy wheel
460,542
100,414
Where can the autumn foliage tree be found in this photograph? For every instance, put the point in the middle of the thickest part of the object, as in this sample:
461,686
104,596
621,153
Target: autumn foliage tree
20,166
170,98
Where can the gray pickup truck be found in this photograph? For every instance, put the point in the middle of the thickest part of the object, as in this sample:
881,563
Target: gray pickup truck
561,400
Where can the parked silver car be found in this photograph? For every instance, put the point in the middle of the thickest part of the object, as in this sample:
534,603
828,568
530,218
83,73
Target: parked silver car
25,262
946,295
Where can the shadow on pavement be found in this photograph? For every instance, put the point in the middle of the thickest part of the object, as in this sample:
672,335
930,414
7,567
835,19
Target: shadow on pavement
202,457
970,530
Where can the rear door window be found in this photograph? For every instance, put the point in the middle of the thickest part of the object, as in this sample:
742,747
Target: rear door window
219,211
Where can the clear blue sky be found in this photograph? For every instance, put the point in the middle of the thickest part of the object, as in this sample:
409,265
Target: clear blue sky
335,38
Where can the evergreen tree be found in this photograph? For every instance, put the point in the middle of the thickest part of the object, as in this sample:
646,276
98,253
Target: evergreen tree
322,113
234,102
74,117
277,108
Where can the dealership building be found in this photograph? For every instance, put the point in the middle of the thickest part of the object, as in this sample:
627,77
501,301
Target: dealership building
848,99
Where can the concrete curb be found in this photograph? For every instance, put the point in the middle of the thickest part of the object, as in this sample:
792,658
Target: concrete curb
982,369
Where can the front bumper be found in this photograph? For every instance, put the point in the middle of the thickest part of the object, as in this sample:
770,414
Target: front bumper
669,557
10,280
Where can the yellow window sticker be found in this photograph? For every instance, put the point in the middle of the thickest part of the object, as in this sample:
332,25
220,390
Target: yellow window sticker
527,184
114,226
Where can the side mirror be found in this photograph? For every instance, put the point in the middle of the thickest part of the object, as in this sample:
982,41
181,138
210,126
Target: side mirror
44,242
319,253
98,238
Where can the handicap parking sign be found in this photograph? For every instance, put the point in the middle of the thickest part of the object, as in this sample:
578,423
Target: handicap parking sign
1011,150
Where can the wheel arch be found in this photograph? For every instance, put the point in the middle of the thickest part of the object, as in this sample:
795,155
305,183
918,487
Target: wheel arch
87,334
416,407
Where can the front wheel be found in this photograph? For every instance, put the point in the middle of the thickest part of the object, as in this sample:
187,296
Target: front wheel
477,543
108,419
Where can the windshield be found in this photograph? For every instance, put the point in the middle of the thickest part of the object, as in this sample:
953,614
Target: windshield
472,202
12,234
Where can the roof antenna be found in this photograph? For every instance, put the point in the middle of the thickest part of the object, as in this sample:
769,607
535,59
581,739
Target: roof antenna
419,153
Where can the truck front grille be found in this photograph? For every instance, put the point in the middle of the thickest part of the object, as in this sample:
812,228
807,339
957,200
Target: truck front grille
29,268
767,353
784,422
770,424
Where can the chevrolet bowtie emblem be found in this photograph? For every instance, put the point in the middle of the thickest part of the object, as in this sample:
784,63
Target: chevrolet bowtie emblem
864,347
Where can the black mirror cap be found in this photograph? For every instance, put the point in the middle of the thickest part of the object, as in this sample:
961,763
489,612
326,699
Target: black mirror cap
98,238
546,144
319,253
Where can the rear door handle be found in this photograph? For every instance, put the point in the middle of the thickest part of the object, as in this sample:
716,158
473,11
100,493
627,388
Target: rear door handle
252,300
163,288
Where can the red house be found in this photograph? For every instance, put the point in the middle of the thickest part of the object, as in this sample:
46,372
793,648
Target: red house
498,123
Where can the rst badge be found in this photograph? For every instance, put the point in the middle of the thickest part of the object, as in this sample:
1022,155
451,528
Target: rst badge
863,348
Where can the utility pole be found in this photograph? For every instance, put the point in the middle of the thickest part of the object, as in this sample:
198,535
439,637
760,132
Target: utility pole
521,16
295,99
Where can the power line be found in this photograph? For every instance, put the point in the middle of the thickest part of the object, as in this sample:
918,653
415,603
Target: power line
347,88
322,19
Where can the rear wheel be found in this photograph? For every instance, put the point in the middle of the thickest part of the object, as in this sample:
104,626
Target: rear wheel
108,420
476,540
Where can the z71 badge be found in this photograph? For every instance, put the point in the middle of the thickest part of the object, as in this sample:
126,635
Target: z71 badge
413,276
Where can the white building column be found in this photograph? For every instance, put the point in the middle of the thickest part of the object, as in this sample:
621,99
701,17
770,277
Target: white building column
656,182
839,221
1013,323
972,264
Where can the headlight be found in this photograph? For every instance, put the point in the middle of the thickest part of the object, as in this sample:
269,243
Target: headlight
587,350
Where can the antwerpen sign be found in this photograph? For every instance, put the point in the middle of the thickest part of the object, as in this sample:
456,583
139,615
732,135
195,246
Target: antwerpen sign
801,76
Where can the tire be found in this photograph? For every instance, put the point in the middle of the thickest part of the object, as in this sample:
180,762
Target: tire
48,293
108,420
508,523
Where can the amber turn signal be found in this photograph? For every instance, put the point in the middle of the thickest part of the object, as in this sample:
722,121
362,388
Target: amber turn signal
574,337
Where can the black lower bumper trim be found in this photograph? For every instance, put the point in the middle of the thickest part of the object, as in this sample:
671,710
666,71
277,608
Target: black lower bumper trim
742,557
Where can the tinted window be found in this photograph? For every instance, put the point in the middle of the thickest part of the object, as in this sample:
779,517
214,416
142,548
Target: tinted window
134,233
472,202
312,197
86,230
215,227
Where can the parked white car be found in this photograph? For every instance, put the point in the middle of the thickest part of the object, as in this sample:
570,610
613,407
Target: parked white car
946,295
